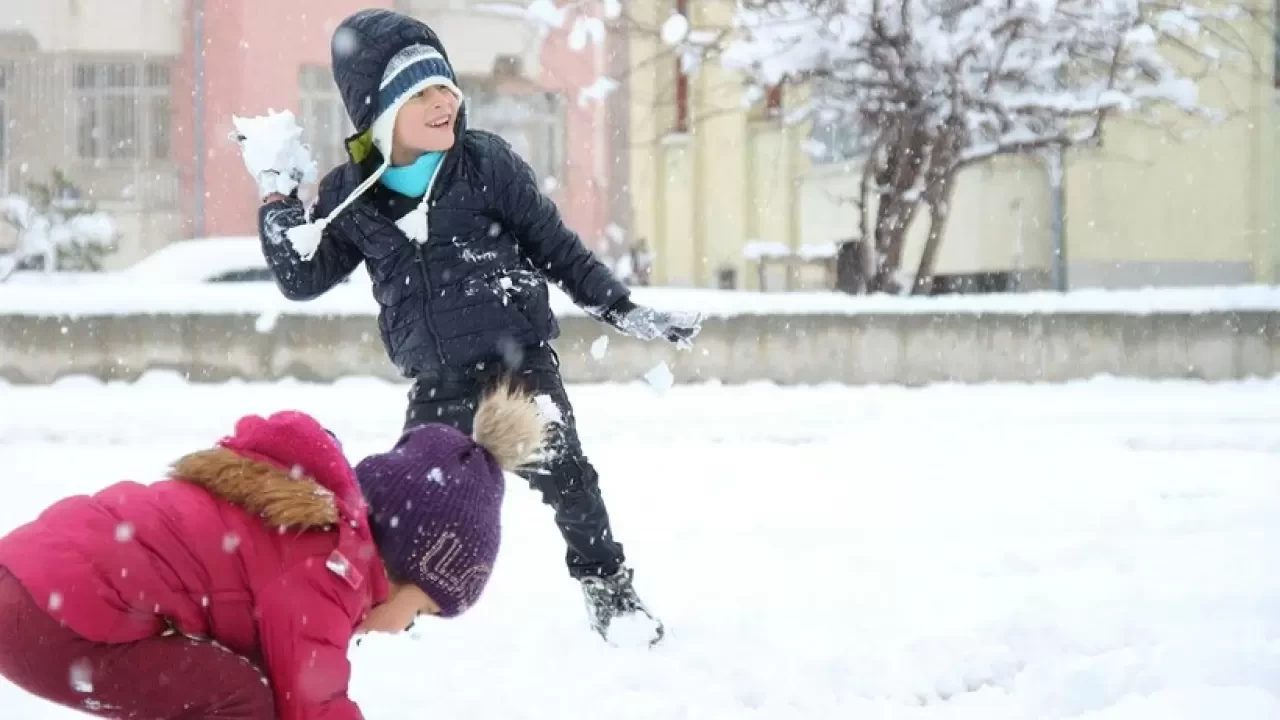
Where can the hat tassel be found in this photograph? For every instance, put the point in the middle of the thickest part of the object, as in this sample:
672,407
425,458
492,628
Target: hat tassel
414,223
306,238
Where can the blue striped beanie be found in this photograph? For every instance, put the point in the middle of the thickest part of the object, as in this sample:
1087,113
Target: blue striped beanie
411,71
408,72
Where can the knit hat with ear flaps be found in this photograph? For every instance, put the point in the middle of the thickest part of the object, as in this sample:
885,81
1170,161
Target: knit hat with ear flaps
410,71
435,500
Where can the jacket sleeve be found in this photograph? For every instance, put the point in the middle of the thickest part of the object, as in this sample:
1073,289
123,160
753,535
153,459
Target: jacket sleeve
335,258
304,630
544,238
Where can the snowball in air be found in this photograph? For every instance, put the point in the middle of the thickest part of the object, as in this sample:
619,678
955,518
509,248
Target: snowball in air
675,29
660,378
345,42
548,409
600,347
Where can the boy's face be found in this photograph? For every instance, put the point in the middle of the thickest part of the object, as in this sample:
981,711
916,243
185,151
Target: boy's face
425,122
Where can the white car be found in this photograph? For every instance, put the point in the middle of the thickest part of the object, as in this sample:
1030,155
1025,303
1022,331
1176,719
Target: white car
207,260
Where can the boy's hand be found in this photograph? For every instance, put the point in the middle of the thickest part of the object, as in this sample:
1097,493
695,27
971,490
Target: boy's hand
646,323
272,149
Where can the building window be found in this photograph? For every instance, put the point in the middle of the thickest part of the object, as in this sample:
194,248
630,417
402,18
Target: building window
533,122
773,101
681,124
324,121
682,101
769,106
123,111
834,135
159,112
832,140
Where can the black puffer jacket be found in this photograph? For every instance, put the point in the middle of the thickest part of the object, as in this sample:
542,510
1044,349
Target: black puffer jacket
477,288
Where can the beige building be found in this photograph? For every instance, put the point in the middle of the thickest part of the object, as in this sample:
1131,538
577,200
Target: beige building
133,100
86,87
710,178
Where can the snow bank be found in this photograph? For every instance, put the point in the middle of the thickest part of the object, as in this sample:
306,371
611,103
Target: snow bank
115,298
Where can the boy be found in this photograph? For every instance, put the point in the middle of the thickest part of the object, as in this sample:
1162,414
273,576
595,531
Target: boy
458,241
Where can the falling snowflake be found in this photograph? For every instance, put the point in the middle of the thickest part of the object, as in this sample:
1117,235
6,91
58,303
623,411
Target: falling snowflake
345,42
600,347
549,410
82,676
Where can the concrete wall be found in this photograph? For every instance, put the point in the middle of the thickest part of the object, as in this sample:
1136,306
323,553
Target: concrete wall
907,348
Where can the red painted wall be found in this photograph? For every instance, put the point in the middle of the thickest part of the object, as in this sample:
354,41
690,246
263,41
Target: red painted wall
253,52
583,197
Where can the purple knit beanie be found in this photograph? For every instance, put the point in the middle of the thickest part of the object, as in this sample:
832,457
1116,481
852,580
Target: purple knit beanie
435,504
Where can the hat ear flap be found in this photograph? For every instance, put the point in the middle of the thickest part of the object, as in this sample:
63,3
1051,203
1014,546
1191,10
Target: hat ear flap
361,146
382,134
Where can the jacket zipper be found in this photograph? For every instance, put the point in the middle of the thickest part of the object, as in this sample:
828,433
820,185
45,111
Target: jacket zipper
422,263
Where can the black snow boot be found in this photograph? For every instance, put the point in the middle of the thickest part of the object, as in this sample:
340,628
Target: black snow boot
617,613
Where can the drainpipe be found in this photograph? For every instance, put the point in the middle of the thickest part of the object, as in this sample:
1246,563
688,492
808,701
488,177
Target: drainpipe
1055,167
198,48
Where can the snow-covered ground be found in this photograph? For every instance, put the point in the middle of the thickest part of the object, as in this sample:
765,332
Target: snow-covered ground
1100,551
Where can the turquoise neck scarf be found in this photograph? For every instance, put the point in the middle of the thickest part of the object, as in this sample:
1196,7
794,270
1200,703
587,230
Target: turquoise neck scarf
412,180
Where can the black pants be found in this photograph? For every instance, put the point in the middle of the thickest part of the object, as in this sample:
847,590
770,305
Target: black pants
567,480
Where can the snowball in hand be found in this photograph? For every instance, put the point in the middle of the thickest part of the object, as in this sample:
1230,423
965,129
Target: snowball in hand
272,148
660,378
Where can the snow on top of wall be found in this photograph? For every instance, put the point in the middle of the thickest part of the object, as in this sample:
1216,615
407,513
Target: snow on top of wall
766,249
114,298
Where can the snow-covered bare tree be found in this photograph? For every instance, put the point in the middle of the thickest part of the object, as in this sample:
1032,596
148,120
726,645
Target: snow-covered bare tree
928,87
925,88
56,229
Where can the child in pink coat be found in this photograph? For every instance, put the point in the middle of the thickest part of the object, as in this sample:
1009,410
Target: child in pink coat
232,588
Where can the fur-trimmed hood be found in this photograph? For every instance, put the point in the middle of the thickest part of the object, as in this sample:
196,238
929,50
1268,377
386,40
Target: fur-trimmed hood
282,499
286,468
